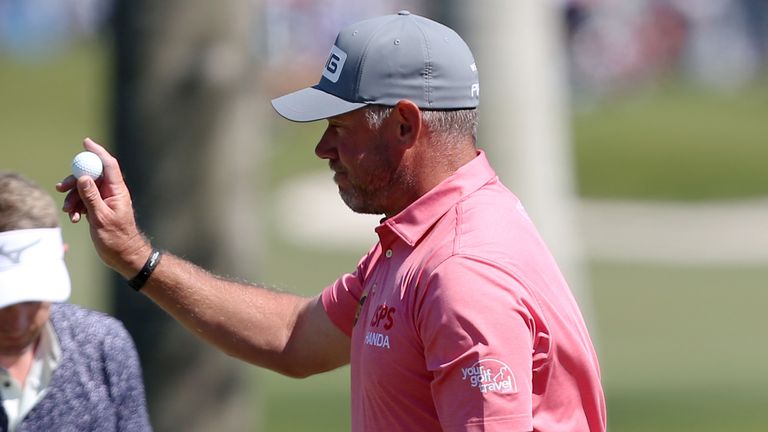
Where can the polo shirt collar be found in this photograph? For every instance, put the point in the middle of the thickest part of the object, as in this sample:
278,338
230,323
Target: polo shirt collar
51,349
414,221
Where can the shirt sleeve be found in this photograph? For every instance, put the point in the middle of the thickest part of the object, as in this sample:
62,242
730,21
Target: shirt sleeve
476,324
342,299
126,385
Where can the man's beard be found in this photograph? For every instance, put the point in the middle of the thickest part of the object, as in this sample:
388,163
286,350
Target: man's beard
360,201
371,196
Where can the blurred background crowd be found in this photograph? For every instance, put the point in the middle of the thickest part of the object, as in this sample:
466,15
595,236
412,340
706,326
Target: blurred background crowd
614,45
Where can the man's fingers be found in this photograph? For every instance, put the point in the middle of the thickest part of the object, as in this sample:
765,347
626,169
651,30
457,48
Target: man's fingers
89,196
74,216
72,201
111,174
66,184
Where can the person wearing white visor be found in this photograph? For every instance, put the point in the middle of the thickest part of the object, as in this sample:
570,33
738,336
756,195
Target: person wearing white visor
24,254
62,367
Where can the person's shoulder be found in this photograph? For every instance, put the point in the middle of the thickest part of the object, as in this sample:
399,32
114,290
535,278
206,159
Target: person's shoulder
495,209
82,321
493,195
493,223
72,311
90,334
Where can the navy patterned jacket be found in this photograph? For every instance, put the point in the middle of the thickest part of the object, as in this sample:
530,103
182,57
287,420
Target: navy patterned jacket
98,385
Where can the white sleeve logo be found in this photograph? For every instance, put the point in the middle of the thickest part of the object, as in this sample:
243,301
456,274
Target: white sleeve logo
490,376
335,64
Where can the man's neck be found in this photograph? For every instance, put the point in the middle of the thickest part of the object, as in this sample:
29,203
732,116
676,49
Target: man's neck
442,163
18,365
427,168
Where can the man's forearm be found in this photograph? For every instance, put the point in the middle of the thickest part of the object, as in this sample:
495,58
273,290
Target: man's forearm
248,322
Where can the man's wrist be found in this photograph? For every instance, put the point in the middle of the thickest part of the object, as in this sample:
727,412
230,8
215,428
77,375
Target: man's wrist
131,260
137,282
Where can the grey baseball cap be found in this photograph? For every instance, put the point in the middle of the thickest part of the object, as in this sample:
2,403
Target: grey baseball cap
383,60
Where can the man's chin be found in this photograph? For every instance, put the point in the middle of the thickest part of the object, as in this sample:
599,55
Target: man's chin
367,211
356,205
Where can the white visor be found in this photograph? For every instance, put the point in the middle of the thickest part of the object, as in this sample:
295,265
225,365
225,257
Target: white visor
32,267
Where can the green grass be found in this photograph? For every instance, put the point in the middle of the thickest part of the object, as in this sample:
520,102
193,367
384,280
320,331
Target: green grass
658,319
690,409
681,348
319,403
675,143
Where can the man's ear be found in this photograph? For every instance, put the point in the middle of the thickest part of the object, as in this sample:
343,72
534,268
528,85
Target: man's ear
409,121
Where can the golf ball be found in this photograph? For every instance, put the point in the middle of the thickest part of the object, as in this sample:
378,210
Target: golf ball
87,163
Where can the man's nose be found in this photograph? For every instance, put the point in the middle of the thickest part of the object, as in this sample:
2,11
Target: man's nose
325,148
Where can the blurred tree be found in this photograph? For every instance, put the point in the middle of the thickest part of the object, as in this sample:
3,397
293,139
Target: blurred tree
186,128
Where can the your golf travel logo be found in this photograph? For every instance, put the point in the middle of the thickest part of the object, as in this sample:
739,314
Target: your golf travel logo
490,375
334,64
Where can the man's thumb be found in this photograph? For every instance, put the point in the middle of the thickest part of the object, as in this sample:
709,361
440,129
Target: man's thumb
89,194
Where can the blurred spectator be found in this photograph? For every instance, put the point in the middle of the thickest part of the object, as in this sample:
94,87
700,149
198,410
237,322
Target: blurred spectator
616,46
308,27
575,14
717,50
626,43
755,14
35,27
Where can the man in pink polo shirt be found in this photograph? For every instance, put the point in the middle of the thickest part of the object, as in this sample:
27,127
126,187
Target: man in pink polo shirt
458,319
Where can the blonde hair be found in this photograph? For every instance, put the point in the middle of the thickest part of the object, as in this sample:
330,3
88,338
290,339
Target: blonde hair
24,205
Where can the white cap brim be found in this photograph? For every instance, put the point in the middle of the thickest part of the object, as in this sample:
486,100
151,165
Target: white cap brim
32,267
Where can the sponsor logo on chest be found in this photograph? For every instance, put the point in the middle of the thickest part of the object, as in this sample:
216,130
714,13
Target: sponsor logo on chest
382,320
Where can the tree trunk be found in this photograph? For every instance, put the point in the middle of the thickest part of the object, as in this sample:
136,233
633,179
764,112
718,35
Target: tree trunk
186,114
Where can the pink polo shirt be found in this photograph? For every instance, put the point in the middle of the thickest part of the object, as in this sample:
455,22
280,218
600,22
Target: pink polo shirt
466,323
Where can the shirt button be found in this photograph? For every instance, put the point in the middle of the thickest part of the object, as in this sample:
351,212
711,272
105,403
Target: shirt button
389,253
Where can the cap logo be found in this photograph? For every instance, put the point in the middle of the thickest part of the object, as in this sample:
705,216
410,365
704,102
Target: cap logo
14,255
335,64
